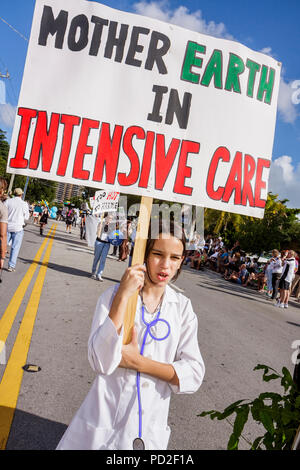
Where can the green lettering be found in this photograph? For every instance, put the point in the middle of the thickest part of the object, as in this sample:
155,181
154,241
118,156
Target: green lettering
190,60
266,86
253,69
213,69
236,66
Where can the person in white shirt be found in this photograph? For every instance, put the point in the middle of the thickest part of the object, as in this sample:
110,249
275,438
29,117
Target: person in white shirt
18,212
3,223
127,406
276,264
288,273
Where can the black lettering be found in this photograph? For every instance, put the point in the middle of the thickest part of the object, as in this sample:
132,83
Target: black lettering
182,111
155,53
135,47
81,23
52,26
96,39
159,91
113,41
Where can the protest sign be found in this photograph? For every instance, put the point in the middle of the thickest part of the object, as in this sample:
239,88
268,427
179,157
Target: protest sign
127,103
105,201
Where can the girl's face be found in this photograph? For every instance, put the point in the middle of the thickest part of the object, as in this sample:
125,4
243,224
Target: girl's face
164,260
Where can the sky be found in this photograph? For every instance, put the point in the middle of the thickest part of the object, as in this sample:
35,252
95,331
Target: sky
269,26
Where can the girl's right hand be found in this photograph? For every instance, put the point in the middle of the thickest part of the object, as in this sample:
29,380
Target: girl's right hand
132,280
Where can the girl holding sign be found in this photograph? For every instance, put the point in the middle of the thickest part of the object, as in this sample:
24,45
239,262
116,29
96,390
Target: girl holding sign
127,406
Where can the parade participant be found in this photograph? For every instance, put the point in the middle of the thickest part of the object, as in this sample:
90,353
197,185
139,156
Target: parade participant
37,211
69,220
127,406
101,250
18,212
3,223
44,219
82,226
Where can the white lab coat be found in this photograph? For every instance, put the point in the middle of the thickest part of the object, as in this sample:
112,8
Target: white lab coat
108,417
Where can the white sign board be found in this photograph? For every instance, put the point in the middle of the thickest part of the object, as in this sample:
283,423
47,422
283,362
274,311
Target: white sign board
105,201
136,105
92,202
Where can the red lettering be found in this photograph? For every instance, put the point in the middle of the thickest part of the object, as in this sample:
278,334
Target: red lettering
163,161
133,175
259,184
83,149
234,182
27,115
249,170
108,153
44,142
147,158
184,171
222,153
69,122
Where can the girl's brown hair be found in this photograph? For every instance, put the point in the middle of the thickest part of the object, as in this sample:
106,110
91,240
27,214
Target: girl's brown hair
3,184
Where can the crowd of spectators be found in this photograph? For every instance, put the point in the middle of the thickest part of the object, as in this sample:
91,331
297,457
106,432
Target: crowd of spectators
276,274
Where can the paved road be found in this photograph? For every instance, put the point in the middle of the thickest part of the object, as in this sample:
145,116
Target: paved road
238,328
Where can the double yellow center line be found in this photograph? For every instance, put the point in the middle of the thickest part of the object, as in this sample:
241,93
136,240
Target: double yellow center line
13,374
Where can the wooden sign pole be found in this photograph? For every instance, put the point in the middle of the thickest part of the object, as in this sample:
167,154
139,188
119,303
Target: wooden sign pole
138,258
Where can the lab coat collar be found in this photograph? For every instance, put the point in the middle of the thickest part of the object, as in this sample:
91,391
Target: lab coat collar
170,295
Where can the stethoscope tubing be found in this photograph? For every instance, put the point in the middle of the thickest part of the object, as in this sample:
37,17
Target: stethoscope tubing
148,331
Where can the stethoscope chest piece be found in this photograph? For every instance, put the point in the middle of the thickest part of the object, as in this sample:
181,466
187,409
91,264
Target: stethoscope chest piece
138,444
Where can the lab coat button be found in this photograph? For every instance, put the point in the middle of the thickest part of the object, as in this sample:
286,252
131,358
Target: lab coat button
145,384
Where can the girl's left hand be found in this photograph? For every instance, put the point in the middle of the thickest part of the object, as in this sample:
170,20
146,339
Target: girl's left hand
131,356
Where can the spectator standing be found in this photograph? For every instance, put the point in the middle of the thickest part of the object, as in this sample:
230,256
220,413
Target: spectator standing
268,273
276,264
288,272
296,283
17,213
3,223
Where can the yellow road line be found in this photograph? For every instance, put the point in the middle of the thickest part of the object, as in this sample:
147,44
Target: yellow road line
11,311
13,374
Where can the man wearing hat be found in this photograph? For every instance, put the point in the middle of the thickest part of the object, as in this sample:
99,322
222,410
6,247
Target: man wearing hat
18,211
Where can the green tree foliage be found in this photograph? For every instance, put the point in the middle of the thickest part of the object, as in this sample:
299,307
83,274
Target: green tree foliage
37,189
276,230
278,413
279,228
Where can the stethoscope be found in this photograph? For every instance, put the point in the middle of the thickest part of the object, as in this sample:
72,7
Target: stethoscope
138,443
